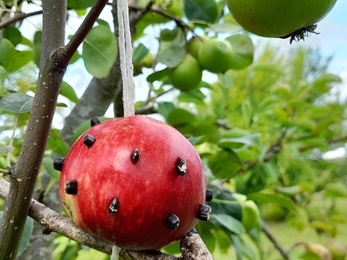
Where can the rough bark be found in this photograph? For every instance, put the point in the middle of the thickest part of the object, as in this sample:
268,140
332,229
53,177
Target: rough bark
24,174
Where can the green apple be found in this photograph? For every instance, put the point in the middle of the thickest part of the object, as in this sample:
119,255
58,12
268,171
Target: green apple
215,55
187,75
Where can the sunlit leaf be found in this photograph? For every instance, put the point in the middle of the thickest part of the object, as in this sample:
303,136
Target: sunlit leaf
178,117
80,4
228,222
225,164
99,51
12,34
205,10
56,143
84,127
336,190
272,198
139,53
243,50
157,75
172,51
165,108
67,91
37,47
237,142
48,165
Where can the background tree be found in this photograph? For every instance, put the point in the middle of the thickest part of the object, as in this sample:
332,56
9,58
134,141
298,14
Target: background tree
262,127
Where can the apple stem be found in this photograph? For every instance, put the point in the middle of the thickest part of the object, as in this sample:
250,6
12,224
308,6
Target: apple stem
125,57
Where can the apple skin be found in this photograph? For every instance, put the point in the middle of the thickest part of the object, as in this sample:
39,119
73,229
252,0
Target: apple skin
147,187
187,75
215,55
278,18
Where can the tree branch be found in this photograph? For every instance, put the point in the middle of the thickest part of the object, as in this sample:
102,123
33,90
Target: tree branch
18,17
52,69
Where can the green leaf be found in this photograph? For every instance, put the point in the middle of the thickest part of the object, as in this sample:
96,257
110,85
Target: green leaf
79,4
247,112
103,23
67,91
56,143
228,222
173,248
225,164
308,255
10,58
20,59
289,190
238,245
238,142
323,82
37,47
139,53
223,240
172,52
197,140
205,231
84,127
193,96
180,117
28,228
243,50
99,51
157,75
17,103
5,149
263,197
224,202
164,108
12,34
7,52
48,165
335,190
70,252
205,10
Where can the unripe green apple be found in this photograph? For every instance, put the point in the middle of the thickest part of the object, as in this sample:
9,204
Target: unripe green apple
194,44
215,55
187,75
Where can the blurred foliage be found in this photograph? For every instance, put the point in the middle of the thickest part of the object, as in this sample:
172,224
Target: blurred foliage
262,131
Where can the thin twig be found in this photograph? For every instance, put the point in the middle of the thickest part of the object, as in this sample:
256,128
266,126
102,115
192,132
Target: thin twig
273,240
18,17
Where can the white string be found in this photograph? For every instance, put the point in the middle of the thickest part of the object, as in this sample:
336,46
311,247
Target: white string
115,253
125,57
